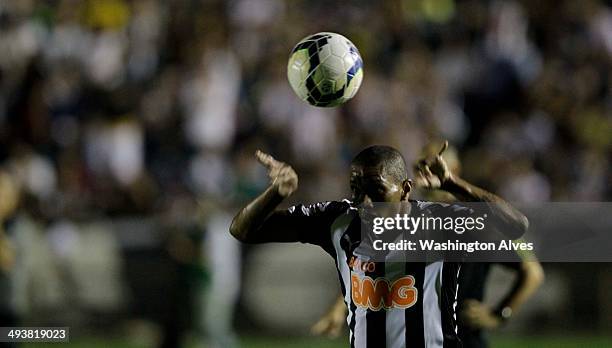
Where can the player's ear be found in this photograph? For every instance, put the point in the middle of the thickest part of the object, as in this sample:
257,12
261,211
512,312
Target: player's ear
406,188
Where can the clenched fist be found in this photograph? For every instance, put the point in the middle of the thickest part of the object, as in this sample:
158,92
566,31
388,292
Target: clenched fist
282,176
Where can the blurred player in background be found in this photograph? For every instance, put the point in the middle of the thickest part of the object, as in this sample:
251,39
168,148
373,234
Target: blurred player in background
474,315
423,310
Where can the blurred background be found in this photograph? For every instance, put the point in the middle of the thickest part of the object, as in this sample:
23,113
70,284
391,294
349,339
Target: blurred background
128,127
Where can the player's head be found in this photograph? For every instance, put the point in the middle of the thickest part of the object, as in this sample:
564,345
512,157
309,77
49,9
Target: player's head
378,174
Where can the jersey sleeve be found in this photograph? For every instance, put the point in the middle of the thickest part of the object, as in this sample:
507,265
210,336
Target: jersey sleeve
302,223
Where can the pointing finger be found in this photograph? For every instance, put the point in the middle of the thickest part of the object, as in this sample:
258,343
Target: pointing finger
265,159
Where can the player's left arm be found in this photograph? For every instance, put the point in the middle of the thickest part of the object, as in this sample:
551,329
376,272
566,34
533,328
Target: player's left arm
530,277
433,173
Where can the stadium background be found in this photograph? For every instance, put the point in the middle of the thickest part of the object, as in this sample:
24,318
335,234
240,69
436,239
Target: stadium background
130,127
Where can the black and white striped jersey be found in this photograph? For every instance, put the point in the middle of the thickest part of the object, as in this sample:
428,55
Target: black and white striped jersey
390,304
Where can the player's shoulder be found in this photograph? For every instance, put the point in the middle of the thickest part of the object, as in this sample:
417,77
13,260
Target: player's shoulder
439,207
325,207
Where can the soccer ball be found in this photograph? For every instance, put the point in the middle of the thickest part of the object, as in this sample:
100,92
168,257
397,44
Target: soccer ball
325,69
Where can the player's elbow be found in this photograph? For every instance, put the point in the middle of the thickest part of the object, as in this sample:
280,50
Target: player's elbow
534,273
522,225
519,227
237,231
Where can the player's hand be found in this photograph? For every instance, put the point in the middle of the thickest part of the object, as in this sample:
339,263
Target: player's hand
282,176
432,171
477,315
330,324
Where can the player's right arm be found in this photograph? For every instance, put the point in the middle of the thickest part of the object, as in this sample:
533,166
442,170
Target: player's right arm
433,173
247,224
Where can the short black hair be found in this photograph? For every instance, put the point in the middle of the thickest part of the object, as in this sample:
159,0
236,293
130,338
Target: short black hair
387,157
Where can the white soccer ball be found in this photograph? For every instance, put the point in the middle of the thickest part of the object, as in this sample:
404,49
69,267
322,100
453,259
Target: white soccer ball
325,69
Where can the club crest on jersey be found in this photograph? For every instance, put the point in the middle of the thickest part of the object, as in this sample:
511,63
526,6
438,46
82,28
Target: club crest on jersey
379,293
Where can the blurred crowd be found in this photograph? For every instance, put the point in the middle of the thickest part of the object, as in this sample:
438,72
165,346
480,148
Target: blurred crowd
116,108
121,107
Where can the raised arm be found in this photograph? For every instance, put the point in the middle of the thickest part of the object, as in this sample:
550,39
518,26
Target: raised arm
433,172
283,182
